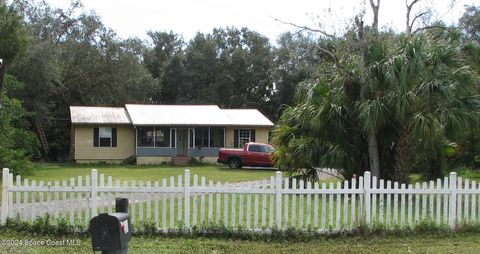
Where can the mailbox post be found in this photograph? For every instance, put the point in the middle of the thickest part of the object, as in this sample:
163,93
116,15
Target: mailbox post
111,232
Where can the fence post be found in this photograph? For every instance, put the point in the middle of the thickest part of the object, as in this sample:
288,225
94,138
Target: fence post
5,187
187,200
278,199
94,193
452,213
367,186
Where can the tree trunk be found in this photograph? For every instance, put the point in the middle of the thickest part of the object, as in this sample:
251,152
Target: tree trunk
403,155
373,153
3,66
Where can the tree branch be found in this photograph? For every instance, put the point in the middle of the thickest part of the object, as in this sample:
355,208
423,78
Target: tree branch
431,27
306,28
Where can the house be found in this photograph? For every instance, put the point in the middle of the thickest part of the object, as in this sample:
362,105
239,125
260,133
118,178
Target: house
162,133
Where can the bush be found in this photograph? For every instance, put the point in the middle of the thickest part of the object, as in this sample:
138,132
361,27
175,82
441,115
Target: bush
132,160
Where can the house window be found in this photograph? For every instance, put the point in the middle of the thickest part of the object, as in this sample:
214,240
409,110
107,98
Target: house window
153,137
201,137
104,137
145,136
162,136
242,136
217,137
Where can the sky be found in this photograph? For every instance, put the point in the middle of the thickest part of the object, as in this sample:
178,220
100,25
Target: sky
187,17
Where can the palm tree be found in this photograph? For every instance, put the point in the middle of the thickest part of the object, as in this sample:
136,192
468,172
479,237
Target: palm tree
429,89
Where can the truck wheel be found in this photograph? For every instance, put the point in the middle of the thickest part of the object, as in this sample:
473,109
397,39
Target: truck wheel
234,163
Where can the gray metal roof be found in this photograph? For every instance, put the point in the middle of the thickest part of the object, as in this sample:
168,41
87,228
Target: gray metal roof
176,115
99,115
179,115
247,117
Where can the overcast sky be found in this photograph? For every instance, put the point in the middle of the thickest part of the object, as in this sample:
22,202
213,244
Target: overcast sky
186,17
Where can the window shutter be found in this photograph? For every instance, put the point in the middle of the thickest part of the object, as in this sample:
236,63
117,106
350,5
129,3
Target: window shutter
252,135
114,137
96,139
235,138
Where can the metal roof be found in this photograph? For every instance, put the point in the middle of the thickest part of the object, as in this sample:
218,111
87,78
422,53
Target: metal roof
179,115
176,115
99,115
246,117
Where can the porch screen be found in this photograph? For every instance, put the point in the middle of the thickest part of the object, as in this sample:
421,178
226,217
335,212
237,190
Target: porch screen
217,137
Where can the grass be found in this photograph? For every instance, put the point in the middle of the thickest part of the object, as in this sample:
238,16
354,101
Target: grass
417,243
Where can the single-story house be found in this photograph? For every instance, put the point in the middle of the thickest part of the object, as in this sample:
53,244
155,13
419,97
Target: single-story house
162,133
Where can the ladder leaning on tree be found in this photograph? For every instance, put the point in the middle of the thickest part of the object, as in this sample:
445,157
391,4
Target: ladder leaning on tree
41,135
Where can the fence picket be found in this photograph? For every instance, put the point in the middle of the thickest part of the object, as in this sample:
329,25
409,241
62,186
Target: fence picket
264,204
255,205
101,207
164,206
210,203
132,201
172,203
330,210
149,202
285,204
249,207
141,204
300,204
466,202
233,215
473,213
439,204
272,200
64,199
202,202
241,208
395,204
18,181
25,200
389,205
79,199
324,206
381,202
218,204
410,207
55,200
445,200
459,201
431,208
353,207
109,195
195,201
71,196
309,206
424,203
85,200
180,201
156,184
338,212
294,205
417,204
225,206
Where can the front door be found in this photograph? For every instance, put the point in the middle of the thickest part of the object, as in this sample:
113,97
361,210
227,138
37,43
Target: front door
182,142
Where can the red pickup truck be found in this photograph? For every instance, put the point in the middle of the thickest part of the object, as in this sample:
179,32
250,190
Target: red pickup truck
252,154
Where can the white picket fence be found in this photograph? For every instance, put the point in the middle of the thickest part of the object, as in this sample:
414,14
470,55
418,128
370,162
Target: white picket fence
178,204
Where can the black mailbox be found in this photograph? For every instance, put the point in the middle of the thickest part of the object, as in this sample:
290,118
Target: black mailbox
111,232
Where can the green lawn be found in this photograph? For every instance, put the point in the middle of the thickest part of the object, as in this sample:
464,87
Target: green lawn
448,243
56,171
